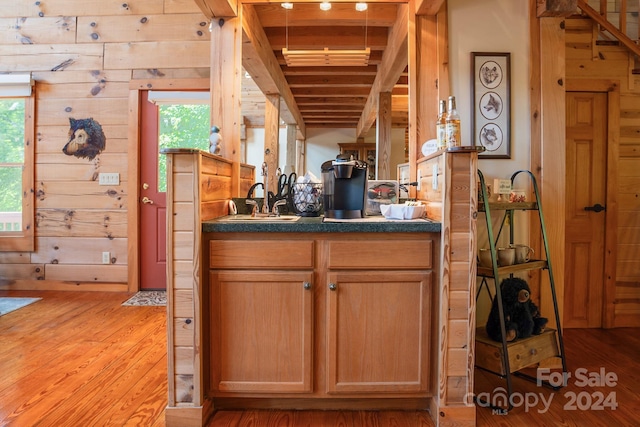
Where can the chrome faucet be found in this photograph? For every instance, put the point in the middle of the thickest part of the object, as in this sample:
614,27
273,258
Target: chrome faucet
277,203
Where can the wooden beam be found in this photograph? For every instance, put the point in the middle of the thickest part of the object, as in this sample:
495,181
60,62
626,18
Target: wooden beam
218,8
383,138
394,62
428,7
225,90
271,141
260,62
557,8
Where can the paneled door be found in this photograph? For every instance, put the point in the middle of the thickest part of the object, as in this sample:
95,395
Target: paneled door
586,170
152,202
169,119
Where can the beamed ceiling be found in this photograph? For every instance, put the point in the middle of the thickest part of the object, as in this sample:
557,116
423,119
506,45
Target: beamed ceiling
324,96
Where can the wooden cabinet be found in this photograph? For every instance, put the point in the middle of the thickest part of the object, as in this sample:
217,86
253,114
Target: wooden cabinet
377,332
362,151
325,317
261,339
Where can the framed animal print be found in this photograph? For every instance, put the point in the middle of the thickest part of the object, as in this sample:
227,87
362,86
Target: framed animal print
491,103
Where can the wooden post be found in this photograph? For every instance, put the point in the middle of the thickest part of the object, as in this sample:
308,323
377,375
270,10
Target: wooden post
271,138
383,139
226,86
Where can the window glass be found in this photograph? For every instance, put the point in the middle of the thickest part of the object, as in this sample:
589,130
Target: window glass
12,158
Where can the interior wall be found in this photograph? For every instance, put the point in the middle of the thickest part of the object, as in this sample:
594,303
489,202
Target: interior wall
497,26
84,57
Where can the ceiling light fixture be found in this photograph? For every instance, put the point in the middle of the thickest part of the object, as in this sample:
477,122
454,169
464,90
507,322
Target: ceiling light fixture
287,5
361,7
325,5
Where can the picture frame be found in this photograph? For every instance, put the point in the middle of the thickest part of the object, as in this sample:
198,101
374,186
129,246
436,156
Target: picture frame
491,103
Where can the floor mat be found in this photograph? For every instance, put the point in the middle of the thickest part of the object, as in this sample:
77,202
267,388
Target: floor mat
157,298
9,304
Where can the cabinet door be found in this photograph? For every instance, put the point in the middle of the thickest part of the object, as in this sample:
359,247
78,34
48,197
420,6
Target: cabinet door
261,331
378,332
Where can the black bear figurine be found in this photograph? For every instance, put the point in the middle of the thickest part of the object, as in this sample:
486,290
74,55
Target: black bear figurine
521,316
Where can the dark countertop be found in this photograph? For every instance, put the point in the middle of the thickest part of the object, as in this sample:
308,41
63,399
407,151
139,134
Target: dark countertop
317,225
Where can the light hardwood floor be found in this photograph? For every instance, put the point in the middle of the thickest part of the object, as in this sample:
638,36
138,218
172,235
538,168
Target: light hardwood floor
81,359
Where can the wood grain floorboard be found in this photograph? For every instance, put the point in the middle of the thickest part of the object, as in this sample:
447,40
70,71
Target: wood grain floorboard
79,359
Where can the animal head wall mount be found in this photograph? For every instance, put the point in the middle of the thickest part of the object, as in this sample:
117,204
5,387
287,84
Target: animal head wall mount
86,139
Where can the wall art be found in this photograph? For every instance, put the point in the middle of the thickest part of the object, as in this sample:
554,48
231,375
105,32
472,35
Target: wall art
491,103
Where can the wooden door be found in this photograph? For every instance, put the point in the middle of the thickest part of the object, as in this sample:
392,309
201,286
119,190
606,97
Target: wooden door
261,331
152,203
586,147
378,332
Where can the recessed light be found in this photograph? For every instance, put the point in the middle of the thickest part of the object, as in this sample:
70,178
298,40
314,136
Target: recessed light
325,5
360,7
287,5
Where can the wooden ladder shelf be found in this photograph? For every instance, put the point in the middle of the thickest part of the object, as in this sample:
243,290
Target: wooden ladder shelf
508,358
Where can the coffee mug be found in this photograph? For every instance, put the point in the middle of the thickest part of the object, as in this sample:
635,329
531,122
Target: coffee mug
523,253
484,257
506,256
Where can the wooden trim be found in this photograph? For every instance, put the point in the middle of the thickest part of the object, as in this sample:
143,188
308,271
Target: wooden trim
24,240
535,144
611,219
60,285
133,210
553,157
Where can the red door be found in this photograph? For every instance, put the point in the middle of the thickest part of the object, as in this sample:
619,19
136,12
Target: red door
153,203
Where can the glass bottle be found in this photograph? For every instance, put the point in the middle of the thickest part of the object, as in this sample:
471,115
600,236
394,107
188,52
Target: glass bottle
441,125
454,138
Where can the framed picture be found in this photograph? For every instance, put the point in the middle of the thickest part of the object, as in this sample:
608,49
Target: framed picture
491,103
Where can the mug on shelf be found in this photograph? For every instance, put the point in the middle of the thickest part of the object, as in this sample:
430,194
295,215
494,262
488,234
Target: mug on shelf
484,257
523,253
506,256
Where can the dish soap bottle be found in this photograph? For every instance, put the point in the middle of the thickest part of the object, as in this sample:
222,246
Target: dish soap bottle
454,138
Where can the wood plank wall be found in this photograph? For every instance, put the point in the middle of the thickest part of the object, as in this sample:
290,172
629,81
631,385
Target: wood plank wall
586,60
448,186
83,56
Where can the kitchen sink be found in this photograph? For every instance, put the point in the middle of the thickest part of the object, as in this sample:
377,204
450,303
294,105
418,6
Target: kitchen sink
249,218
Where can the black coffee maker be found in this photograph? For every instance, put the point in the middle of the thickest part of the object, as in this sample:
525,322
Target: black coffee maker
344,186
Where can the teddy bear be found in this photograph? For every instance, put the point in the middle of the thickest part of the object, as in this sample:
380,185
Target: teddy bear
521,316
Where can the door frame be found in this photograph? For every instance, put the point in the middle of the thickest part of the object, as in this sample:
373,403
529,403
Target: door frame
133,167
612,88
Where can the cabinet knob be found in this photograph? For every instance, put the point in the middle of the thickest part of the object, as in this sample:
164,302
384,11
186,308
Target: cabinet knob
307,285
333,286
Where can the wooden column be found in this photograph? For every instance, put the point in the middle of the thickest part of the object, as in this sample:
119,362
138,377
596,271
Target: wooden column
383,138
271,137
553,155
226,86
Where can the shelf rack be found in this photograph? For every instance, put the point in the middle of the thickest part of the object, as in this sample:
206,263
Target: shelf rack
507,358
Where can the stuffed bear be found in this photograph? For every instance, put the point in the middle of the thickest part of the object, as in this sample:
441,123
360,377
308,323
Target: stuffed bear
522,317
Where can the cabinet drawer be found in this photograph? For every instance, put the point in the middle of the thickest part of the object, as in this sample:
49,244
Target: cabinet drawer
236,254
381,254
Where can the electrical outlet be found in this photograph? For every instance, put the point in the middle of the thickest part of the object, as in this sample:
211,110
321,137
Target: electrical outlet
109,178
106,258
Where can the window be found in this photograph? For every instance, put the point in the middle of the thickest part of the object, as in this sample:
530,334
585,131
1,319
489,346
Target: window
16,173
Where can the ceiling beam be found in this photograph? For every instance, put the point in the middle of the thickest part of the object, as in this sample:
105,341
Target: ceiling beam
428,7
260,62
394,62
218,8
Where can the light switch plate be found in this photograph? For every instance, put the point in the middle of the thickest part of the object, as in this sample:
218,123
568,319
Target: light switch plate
109,178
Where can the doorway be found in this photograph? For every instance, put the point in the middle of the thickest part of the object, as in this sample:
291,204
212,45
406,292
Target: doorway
167,120
585,208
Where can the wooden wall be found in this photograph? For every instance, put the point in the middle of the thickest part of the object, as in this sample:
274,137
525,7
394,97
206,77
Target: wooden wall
589,61
84,57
